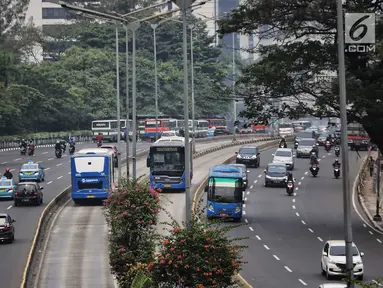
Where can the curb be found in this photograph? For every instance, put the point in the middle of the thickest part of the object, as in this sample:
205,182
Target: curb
268,144
360,197
55,202
38,146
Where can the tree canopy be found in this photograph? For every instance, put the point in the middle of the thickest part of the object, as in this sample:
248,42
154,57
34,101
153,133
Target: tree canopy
295,74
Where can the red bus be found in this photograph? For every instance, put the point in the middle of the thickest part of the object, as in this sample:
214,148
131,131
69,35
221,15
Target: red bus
260,127
150,127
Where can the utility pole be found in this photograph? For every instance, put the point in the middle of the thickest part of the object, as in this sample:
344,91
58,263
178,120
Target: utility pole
191,27
344,150
127,100
234,96
118,105
154,27
377,216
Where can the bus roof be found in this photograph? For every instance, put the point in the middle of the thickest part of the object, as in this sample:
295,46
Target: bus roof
225,170
173,139
168,143
93,151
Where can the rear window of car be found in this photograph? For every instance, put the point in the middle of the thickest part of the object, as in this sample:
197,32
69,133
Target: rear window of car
3,220
5,183
307,142
28,188
30,167
248,151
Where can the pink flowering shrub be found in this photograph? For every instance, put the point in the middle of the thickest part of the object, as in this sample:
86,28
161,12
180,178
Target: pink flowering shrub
131,212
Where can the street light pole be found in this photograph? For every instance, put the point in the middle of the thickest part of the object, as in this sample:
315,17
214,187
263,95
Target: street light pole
118,105
235,104
344,150
377,216
127,99
154,27
191,27
134,26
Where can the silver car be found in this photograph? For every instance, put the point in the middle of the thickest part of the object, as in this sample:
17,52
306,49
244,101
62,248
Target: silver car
305,146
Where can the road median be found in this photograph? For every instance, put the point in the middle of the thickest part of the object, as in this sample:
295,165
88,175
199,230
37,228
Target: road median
53,208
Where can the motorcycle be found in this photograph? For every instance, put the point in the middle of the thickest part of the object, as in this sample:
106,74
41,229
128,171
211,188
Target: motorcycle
337,151
63,147
71,149
58,153
23,151
31,151
314,170
336,172
99,144
296,144
327,146
290,187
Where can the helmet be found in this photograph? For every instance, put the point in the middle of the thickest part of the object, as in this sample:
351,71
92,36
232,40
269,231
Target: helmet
283,136
7,170
336,160
314,146
57,141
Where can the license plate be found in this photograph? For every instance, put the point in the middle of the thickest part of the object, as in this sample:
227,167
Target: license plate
167,185
2,190
28,173
223,215
90,196
25,200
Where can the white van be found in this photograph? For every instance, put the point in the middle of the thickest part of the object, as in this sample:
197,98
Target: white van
286,156
286,129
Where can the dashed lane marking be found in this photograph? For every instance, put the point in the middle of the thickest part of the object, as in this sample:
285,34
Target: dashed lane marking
17,159
69,173
251,229
294,207
50,159
49,182
303,222
244,212
296,213
244,205
245,200
303,282
3,163
59,177
370,232
246,221
266,247
323,156
299,183
302,177
306,173
59,164
320,239
288,269
12,170
259,238
311,230
293,200
364,225
379,241
44,153
260,176
251,187
276,257
255,181
9,207
295,194
47,168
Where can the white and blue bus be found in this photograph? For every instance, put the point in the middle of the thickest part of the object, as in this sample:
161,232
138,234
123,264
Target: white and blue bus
92,173
166,163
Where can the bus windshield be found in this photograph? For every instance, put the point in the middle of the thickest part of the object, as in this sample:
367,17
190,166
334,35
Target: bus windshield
168,162
203,124
100,124
225,190
218,122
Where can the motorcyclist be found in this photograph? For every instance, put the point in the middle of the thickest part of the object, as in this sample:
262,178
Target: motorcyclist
282,143
31,146
314,160
8,173
99,137
23,144
72,141
290,177
314,150
336,163
63,144
58,145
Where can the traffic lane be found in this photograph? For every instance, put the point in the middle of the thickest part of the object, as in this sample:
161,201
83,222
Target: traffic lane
57,179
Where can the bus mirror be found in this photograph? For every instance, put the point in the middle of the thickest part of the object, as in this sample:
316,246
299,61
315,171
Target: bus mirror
206,188
148,161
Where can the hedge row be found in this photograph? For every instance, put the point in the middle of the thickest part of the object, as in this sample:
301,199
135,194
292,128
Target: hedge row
45,135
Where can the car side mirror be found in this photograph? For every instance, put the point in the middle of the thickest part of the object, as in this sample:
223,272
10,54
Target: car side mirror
258,154
206,189
361,254
264,171
41,188
272,155
324,253
13,220
236,153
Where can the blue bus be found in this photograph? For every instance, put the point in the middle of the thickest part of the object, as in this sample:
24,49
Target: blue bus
166,163
92,173
225,192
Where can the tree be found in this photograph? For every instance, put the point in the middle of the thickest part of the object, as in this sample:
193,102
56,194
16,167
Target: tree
12,15
306,48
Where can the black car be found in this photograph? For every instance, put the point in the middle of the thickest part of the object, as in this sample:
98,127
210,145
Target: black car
221,131
7,230
275,175
28,193
248,155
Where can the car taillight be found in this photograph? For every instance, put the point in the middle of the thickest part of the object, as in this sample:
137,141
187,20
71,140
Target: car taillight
5,228
35,193
16,194
290,185
10,189
36,171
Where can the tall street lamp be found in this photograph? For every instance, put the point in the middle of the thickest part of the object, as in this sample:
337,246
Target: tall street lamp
127,98
344,150
191,27
234,96
118,105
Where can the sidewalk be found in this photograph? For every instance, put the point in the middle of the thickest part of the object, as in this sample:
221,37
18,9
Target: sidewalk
367,197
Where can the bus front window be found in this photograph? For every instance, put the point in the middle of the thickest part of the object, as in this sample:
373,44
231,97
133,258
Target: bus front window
225,190
168,163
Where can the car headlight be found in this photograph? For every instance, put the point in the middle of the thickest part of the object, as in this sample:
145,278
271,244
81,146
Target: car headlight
359,262
210,208
239,156
238,209
254,157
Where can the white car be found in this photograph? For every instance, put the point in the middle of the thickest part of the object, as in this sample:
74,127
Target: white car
285,156
169,134
333,261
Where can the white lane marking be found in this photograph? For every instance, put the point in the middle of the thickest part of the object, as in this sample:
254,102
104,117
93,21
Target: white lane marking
59,177
12,170
49,182
302,177
251,229
17,159
9,207
370,232
44,153
50,159
328,153
364,225
293,200
306,172
288,269
295,194
251,187
69,173
244,205
379,241
47,168
320,239
244,212
38,161
319,160
299,183
259,238
294,207
59,164
266,247
311,230
303,222
246,221
296,213
323,156
303,282
276,257
3,163
260,176
255,181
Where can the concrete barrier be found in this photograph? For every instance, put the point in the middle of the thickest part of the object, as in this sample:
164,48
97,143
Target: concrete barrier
53,206
200,190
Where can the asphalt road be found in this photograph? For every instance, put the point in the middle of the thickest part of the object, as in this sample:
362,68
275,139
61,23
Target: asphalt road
13,256
286,233
77,250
